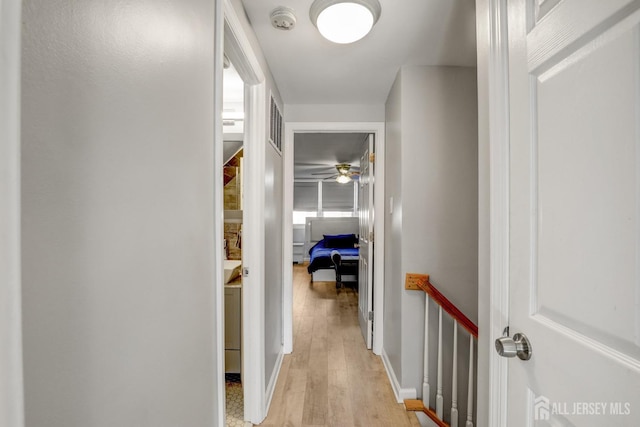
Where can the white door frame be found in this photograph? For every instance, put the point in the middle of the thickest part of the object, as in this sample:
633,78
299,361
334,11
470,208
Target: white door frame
238,48
11,385
290,129
493,126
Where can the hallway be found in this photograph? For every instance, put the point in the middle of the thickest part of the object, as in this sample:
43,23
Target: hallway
330,379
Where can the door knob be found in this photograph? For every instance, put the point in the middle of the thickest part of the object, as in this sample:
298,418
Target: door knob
519,346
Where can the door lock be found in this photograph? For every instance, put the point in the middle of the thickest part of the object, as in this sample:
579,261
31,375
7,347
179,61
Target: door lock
519,346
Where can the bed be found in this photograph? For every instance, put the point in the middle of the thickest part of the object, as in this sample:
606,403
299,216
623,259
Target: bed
332,236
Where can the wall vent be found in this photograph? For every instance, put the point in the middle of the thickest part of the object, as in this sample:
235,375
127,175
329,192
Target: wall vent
275,131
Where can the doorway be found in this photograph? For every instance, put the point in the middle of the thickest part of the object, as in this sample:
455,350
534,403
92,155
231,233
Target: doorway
377,275
245,239
233,112
331,196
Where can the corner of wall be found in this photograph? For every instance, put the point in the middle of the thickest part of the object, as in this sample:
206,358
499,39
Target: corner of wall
400,393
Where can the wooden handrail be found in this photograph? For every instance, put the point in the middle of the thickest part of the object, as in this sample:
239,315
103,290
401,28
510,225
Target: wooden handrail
422,282
417,406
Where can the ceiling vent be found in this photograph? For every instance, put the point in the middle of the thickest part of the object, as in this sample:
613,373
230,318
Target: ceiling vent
282,18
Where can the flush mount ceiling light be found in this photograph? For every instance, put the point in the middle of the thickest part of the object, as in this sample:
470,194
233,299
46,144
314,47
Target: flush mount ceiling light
344,21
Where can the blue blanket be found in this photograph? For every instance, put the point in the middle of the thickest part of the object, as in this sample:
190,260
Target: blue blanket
321,256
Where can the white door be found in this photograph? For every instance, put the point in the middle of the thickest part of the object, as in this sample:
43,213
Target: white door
365,269
574,199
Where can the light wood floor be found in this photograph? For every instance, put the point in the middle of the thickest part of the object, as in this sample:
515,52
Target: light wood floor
331,379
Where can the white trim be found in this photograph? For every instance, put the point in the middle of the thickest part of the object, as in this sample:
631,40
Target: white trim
287,239
320,200
240,52
271,386
493,90
378,241
400,393
11,381
218,226
238,48
253,341
290,129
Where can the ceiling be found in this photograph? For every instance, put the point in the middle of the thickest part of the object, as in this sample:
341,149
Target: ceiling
309,69
315,153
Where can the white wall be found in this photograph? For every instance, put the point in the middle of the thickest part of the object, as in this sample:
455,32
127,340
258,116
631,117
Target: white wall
393,288
117,213
11,390
334,113
440,162
432,153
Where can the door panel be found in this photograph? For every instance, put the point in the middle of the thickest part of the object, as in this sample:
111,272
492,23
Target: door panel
586,184
574,81
365,265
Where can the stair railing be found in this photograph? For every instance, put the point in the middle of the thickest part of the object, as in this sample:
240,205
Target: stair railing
421,282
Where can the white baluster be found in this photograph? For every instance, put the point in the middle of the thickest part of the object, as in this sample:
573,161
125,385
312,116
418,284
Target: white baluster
470,391
426,390
454,387
439,398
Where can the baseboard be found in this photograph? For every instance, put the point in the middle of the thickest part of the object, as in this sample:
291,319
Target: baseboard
271,387
401,393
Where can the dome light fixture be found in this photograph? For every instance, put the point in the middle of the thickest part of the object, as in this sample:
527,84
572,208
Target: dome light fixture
344,21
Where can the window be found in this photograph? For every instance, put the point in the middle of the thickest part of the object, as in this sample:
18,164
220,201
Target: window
305,201
305,196
327,199
337,214
300,217
337,197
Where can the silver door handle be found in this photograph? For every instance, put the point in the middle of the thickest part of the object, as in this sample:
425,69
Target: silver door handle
519,346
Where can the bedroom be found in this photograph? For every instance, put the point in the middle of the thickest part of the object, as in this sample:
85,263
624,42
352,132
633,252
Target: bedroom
321,190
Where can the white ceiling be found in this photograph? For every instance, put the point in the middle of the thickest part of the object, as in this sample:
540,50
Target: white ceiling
315,153
311,70
233,90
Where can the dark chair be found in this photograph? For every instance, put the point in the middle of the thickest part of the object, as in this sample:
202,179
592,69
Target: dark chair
348,268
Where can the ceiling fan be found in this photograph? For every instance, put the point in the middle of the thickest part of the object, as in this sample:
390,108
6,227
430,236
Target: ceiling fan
344,175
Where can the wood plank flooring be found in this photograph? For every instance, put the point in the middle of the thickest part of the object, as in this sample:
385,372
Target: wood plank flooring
331,379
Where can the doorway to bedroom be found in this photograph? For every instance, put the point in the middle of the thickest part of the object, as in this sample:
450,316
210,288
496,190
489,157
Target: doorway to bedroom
325,185
321,320
332,216
330,170
326,217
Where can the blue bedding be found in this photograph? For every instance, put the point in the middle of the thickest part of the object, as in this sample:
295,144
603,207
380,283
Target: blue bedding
321,256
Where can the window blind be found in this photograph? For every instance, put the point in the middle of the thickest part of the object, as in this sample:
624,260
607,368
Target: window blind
305,196
337,197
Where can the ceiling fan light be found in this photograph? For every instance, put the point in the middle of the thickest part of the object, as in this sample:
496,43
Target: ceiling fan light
343,179
344,21
343,168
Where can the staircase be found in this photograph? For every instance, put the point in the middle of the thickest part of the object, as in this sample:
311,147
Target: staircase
465,326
